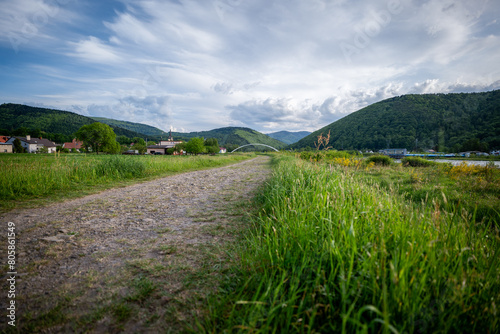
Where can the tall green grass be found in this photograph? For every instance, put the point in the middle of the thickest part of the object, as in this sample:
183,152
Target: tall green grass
331,253
25,176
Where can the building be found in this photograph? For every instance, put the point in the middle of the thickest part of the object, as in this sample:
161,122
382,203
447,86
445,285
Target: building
3,139
75,144
396,153
34,145
163,145
6,148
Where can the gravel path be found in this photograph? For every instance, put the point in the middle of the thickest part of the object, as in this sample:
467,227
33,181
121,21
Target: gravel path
119,260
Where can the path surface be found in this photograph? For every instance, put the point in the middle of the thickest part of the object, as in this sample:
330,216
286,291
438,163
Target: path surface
131,259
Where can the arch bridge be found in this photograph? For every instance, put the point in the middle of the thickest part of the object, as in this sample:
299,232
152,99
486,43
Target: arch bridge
254,145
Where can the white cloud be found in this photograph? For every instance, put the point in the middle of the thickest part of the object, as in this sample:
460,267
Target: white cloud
94,50
152,110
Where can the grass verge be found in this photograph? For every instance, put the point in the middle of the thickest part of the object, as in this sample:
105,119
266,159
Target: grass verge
331,252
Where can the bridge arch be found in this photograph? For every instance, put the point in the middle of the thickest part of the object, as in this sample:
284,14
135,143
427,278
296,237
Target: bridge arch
254,145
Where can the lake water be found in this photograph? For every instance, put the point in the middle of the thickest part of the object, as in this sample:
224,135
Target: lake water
458,162
469,162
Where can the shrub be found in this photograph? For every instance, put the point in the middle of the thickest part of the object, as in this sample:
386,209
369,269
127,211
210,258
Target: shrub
337,154
328,156
312,156
417,162
382,160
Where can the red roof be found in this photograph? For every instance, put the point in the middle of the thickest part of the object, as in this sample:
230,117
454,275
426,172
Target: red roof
3,139
76,144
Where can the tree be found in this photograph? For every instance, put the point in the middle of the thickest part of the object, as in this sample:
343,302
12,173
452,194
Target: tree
18,148
99,136
180,147
123,140
211,142
140,147
140,141
231,147
212,145
195,145
22,131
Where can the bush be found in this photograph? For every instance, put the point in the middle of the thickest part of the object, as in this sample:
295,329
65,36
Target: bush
330,155
417,162
311,155
382,160
326,156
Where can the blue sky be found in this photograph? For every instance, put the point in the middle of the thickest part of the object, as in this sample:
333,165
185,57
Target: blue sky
265,64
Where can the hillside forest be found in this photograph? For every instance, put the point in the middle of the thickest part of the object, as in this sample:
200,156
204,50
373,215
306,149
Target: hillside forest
443,122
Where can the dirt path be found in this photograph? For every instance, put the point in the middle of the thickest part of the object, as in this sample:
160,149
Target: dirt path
134,259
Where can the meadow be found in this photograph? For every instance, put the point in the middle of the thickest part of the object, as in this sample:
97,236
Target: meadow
348,245
29,179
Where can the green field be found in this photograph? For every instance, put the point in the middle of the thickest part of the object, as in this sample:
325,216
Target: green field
345,245
29,179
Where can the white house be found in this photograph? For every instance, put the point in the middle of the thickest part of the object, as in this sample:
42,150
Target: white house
33,145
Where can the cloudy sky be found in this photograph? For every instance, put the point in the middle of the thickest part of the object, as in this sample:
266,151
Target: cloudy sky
271,65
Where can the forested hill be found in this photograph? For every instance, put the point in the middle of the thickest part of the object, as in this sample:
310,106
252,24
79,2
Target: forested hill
235,136
65,123
440,121
14,116
136,127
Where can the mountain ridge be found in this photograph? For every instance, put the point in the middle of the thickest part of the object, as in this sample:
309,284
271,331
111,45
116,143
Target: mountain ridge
445,122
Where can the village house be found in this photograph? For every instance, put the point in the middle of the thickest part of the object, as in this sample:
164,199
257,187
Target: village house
163,145
6,148
34,145
75,144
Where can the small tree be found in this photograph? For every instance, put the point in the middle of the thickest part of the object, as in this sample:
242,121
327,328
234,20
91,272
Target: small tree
212,145
195,146
18,147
